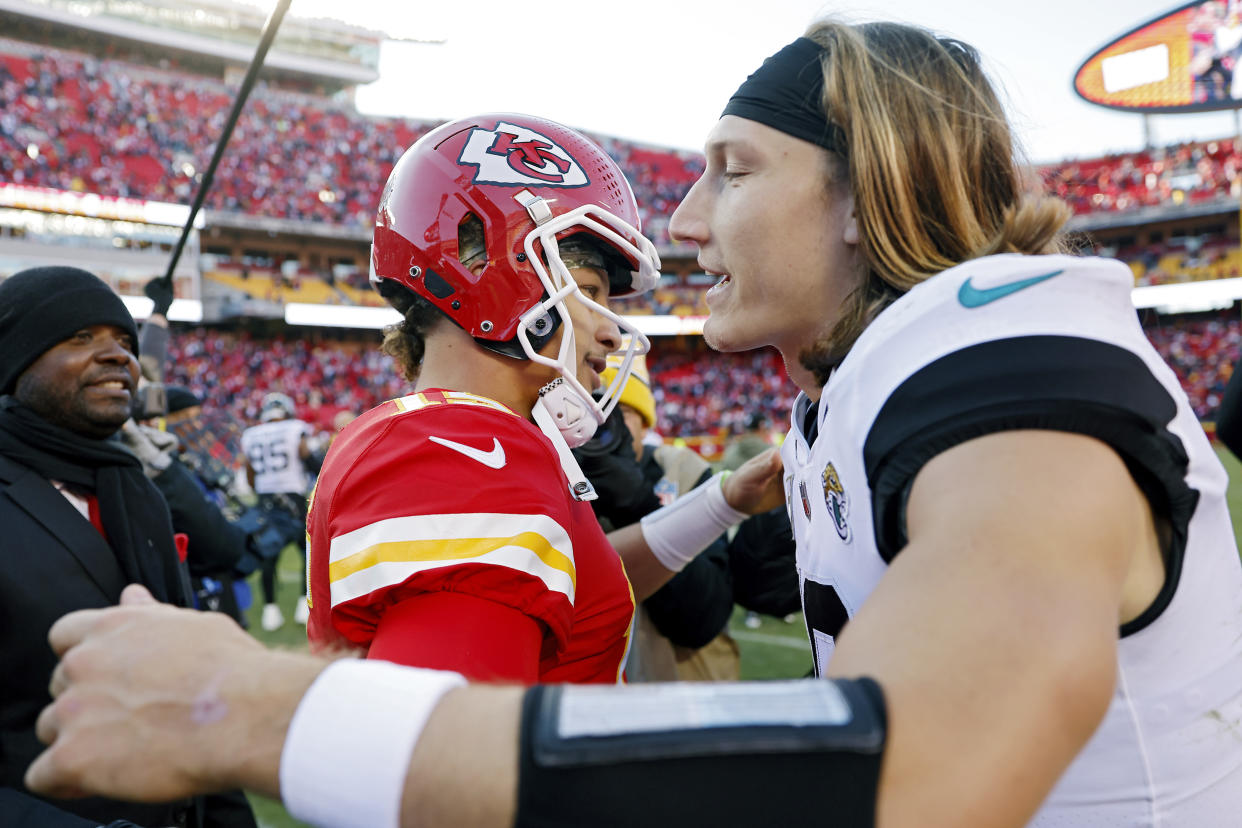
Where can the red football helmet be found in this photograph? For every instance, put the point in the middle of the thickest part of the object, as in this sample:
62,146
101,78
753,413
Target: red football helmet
530,184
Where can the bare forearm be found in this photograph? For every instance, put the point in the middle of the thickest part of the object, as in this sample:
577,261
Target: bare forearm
645,572
264,701
660,546
471,736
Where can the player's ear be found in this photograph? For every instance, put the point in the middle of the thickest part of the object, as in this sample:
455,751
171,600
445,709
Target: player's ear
849,232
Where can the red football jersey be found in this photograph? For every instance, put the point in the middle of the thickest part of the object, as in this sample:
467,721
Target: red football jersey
446,491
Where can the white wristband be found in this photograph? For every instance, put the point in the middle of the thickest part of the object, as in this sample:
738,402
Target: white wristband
349,744
680,531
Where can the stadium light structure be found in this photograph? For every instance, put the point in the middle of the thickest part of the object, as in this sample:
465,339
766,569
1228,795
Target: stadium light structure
349,316
1189,297
181,310
340,316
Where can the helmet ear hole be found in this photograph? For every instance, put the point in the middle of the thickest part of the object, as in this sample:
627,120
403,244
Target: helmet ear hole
471,244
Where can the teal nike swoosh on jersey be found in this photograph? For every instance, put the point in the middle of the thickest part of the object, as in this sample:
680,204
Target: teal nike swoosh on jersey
973,297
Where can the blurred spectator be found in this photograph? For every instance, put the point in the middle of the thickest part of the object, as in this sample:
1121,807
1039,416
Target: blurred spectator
211,545
756,439
698,391
1202,354
215,546
1229,416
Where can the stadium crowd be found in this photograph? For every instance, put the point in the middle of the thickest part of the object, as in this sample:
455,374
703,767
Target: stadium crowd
137,131
1203,355
114,127
1187,172
74,122
323,378
698,392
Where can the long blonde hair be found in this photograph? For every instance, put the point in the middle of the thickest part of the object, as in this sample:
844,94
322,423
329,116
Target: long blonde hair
930,161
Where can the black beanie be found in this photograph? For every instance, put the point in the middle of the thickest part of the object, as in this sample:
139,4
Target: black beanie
43,306
180,398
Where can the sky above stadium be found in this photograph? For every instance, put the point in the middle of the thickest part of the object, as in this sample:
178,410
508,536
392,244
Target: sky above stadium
659,71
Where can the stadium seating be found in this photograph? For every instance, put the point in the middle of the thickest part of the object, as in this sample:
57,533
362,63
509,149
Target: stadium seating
142,132
1203,355
1182,173
272,286
115,127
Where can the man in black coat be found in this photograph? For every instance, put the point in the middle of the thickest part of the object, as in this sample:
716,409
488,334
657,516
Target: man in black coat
78,518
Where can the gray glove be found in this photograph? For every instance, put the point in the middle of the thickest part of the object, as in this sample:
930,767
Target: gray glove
150,445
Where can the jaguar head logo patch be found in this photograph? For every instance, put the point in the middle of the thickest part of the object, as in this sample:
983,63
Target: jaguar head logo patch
837,501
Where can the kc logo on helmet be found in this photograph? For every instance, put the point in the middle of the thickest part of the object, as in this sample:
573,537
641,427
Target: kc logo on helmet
515,156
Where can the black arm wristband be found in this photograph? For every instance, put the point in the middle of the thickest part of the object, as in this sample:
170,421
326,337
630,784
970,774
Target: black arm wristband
759,753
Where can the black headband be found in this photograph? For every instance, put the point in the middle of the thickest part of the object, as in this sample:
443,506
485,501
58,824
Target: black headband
786,93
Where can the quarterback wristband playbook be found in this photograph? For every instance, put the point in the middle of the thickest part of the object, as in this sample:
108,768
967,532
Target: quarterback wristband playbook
680,531
367,715
689,754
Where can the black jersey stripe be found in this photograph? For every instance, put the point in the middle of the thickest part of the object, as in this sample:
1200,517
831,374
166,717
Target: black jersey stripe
1060,383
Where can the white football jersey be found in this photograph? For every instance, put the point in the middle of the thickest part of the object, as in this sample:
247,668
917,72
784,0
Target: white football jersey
1050,342
272,449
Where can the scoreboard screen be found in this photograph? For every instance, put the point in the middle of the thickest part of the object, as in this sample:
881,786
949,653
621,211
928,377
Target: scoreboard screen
1188,60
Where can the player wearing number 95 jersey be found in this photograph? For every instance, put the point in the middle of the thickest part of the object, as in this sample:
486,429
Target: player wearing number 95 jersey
276,449
276,453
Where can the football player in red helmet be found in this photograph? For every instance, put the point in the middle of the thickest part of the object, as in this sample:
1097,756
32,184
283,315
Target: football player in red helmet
512,190
450,528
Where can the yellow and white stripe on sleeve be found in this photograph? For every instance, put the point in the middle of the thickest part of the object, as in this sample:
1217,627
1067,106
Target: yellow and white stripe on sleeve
387,552
419,401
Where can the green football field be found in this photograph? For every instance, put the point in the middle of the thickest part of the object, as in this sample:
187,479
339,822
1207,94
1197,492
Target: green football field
775,650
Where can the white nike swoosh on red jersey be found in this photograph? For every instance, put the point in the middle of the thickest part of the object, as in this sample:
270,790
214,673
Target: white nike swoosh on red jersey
494,459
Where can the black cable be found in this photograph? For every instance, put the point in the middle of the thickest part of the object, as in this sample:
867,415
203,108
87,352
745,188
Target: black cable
256,63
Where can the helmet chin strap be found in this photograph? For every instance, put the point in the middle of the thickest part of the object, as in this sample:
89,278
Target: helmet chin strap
574,417
566,421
